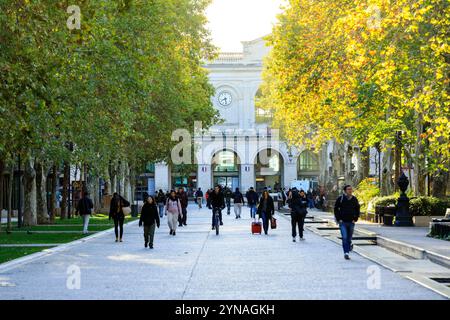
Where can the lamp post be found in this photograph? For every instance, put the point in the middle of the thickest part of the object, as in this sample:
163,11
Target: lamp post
403,218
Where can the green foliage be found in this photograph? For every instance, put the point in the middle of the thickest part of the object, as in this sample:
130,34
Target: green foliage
115,89
366,191
385,201
428,206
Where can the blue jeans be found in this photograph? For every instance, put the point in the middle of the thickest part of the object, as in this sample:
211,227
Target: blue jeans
311,203
161,209
265,222
253,210
347,229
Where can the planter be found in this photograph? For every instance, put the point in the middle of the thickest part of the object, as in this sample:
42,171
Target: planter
424,221
388,220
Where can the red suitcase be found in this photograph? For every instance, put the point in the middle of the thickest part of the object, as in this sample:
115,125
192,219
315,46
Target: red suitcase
256,227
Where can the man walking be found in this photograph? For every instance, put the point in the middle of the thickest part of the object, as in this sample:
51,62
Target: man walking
182,196
346,212
238,200
228,194
252,200
199,197
84,209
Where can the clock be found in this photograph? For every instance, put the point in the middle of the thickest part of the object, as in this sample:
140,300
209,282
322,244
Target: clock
225,98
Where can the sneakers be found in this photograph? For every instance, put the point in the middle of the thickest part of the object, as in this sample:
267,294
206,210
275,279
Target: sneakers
146,244
120,240
213,228
171,232
351,247
302,239
346,256
117,240
293,240
174,233
151,246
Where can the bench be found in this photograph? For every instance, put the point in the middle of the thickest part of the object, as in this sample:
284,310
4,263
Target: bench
441,227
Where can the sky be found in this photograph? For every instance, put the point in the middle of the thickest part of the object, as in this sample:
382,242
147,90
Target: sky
233,21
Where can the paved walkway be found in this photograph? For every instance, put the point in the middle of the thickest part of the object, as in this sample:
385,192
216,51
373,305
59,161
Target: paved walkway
416,236
196,264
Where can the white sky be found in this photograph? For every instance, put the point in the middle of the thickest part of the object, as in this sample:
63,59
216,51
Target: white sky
233,21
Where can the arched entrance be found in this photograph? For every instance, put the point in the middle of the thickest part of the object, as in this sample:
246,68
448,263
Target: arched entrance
226,169
269,170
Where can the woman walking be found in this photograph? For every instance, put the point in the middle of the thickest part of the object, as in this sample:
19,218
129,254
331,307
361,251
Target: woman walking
150,219
173,209
266,210
116,213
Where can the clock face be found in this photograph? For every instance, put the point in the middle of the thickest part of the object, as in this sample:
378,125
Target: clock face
225,98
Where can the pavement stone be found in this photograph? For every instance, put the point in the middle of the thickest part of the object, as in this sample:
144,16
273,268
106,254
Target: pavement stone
197,264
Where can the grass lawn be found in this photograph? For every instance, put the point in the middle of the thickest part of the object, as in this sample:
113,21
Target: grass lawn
64,228
24,238
8,254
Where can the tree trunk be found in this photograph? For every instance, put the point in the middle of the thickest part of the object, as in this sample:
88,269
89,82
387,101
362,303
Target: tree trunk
9,198
2,168
387,185
362,171
53,194
439,184
41,197
29,208
65,190
419,160
113,177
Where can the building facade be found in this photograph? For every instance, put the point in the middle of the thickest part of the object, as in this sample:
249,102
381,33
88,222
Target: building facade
244,150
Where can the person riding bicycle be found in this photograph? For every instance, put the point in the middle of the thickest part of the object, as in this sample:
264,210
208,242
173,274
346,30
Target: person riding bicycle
217,201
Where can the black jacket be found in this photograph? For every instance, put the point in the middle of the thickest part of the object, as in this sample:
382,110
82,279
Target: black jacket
252,197
217,200
149,215
184,200
199,194
114,205
238,197
298,204
270,208
161,198
346,209
85,206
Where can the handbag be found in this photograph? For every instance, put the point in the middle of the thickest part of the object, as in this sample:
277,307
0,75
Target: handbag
126,211
273,223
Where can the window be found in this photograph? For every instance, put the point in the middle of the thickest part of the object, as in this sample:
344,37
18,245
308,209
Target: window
308,161
225,161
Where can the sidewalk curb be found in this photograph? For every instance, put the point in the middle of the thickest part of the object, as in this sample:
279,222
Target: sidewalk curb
48,252
408,250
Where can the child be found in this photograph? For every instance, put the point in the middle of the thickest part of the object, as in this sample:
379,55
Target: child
149,217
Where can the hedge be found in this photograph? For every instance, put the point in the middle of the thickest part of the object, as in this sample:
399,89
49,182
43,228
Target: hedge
420,206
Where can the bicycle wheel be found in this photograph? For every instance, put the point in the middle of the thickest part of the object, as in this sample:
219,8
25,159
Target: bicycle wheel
217,225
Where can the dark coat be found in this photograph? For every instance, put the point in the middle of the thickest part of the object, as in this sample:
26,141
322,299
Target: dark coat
114,205
298,204
85,206
270,208
252,197
184,200
217,200
346,209
238,197
149,215
161,198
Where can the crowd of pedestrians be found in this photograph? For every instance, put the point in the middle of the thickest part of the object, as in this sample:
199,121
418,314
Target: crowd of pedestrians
174,206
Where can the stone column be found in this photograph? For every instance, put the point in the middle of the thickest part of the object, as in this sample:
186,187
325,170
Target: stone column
290,173
204,177
162,177
247,176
